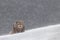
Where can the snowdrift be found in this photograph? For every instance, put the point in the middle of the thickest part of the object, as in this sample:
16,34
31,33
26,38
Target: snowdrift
51,32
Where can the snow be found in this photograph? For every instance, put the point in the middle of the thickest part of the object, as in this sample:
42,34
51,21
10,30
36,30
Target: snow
51,32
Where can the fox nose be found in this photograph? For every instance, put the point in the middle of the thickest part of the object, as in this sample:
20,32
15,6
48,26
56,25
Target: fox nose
19,26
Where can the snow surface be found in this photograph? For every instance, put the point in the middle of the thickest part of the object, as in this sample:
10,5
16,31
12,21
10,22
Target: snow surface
51,32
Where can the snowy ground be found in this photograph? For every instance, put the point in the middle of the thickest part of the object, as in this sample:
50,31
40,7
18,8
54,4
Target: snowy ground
51,32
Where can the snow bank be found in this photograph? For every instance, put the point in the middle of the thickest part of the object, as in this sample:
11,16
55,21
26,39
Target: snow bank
51,32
